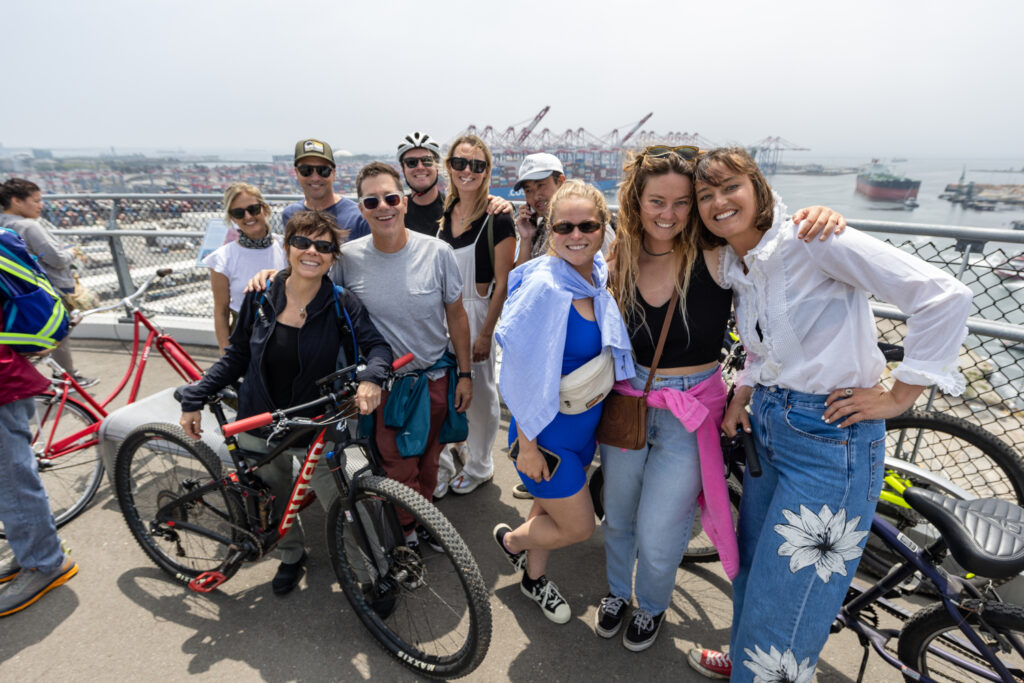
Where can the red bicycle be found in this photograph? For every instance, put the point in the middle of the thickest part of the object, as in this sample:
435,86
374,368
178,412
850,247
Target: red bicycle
67,421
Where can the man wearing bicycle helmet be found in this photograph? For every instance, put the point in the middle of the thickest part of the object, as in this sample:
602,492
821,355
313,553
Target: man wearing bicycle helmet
419,155
315,170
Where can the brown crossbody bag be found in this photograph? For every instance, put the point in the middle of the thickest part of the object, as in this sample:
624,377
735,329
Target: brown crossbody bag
624,418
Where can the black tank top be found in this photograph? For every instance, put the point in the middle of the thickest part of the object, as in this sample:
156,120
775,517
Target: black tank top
707,312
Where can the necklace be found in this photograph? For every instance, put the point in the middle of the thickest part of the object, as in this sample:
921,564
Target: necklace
643,245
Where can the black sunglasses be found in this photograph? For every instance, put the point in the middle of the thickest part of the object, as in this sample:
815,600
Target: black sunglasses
371,203
253,209
305,170
411,162
475,165
302,243
687,152
565,227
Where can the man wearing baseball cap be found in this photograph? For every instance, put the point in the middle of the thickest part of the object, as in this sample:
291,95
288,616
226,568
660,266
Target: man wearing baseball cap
315,171
540,175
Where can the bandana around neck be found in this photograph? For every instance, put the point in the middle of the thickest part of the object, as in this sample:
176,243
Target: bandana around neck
249,243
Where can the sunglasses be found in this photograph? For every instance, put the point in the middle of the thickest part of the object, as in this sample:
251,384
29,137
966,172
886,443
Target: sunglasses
302,243
253,209
565,227
305,170
412,162
475,165
371,203
687,152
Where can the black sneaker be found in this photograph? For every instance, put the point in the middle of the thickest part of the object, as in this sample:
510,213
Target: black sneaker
517,560
610,615
642,631
288,576
545,593
424,535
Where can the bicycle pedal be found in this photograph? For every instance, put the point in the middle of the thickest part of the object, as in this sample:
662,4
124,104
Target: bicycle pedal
207,581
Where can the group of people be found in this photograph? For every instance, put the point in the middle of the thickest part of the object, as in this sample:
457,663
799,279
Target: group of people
639,309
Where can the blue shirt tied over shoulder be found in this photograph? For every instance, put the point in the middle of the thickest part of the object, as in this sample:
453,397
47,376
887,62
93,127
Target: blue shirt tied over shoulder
532,335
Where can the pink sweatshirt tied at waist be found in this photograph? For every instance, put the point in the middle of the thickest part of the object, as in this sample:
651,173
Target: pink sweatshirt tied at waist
700,409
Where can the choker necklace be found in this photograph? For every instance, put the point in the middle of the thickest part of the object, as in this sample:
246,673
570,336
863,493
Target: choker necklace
250,243
643,245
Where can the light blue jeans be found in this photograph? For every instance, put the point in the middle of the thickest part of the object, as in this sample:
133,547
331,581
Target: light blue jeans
802,528
650,499
24,507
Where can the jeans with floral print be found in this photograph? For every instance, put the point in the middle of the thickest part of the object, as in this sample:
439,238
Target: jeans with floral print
802,529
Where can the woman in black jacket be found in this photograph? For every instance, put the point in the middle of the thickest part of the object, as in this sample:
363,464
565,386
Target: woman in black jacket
287,338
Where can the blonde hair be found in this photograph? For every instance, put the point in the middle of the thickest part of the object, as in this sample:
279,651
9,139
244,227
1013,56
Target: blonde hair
626,249
235,189
480,205
576,189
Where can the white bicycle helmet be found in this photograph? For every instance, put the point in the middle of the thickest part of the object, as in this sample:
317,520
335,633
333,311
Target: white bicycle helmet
418,140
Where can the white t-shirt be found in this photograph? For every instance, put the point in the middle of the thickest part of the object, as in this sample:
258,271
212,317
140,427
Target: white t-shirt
239,264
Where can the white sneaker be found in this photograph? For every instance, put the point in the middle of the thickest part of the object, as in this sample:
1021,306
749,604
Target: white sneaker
463,483
442,486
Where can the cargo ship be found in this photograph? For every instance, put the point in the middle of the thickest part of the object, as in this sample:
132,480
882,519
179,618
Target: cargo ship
879,183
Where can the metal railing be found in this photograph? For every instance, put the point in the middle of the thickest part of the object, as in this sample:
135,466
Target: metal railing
124,238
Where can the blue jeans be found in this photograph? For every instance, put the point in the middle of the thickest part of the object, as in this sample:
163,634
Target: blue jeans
24,507
650,499
802,529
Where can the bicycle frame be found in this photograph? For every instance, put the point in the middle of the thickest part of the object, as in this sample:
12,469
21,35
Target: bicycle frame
951,592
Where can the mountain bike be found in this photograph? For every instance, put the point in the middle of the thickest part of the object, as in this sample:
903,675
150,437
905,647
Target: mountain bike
67,418
430,610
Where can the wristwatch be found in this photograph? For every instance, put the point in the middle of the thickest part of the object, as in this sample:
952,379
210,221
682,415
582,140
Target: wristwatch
466,375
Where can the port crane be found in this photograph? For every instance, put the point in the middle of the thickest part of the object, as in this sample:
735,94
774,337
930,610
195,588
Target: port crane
768,152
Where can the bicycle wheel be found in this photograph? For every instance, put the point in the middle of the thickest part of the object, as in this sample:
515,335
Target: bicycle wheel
932,642
158,463
700,548
429,610
71,476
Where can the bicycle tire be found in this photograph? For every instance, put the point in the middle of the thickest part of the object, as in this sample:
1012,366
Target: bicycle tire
933,631
157,463
72,479
440,628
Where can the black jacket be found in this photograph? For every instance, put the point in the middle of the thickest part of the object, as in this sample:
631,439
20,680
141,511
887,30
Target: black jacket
319,338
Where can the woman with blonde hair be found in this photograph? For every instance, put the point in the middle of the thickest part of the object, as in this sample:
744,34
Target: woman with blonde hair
484,247
232,264
651,493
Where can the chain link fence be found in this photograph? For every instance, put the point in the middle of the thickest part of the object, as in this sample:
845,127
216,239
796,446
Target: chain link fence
125,238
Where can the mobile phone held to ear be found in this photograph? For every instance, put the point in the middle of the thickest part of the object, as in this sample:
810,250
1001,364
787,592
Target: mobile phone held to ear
553,459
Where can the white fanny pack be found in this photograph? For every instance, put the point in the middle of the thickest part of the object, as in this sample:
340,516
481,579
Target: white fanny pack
587,385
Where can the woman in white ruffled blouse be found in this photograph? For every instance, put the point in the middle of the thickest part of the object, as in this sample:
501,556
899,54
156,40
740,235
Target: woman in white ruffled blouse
817,410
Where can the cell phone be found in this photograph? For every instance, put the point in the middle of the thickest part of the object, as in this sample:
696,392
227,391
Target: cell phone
553,459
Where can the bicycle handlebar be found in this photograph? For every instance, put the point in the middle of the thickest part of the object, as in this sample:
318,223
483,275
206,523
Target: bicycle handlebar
128,300
263,419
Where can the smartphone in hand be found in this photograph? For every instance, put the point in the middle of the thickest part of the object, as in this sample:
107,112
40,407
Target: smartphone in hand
552,459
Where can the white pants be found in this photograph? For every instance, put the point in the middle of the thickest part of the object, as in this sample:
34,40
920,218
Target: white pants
484,411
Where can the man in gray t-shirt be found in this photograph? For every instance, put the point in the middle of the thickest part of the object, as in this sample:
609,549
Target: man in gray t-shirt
412,289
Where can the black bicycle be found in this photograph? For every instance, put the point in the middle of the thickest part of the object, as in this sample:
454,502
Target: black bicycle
428,609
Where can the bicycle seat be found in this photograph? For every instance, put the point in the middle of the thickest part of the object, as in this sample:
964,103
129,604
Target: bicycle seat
986,536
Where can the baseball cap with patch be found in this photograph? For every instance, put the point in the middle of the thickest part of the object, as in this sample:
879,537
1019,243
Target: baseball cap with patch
313,148
537,167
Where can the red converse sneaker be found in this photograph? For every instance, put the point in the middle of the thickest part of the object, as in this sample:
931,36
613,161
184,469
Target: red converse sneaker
711,663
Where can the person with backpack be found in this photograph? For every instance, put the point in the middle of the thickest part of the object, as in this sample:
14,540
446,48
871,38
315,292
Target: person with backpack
484,246
287,338
40,562
22,204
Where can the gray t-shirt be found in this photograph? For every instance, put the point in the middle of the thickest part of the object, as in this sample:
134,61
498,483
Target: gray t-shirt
54,258
405,292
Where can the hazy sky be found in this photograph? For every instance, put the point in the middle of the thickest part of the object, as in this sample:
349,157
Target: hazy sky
864,78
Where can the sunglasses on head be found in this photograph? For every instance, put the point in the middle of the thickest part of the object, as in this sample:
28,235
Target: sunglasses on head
253,209
565,227
687,152
302,243
371,203
306,170
475,165
411,162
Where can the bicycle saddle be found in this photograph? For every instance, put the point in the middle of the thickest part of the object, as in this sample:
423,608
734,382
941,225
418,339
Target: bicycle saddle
986,536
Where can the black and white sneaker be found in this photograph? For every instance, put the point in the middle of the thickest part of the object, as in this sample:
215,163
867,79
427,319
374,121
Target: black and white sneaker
642,631
545,593
426,537
609,616
517,560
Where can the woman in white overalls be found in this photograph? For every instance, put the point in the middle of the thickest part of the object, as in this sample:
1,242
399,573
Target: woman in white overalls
485,250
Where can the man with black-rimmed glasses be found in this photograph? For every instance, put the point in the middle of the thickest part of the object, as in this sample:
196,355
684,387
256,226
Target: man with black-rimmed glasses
315,171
